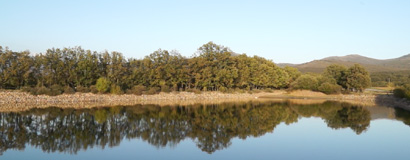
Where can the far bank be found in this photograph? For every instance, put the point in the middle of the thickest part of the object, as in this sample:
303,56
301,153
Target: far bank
16,100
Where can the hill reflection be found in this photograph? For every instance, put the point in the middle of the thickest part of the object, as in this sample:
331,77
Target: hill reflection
211,127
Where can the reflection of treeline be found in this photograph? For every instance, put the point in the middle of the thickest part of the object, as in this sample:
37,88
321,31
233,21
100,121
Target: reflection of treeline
402,115
212,127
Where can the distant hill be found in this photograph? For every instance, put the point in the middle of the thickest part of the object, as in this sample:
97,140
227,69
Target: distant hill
371,64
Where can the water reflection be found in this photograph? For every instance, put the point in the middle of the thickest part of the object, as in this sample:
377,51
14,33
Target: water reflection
211,127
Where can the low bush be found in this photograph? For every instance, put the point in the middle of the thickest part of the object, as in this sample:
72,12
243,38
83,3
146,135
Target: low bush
153,90
93,89
69,90
40,91
26,89
82,89
402,92
223,89
115,89
165,88
137,90
305,81
196,91
329,88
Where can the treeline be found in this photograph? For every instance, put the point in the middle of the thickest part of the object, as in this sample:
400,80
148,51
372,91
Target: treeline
335,79
215,68
399,80
390,79
212,68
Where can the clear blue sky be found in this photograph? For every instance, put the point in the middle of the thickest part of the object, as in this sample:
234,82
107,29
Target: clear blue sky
292,31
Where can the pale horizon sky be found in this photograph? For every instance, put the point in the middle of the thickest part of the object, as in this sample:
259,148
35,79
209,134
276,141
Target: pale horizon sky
292,31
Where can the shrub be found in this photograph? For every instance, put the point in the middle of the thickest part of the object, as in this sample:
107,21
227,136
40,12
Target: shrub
55,90
103,85
165,88
93,89
223,89
196,91
41,90
269,90
153,90
402,92
137,90
82,89
330,88
175,88
26,89
69,90
115,89
305,81
399,93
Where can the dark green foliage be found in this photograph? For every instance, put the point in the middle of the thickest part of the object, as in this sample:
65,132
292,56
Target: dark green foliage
41,91
55,90
68,90
153,90
402,92
385,79
357,78
337,72
212,68
137,90
115,89
329,88
82,89
336,79
93,89
165,88
293,73
26,89
305,81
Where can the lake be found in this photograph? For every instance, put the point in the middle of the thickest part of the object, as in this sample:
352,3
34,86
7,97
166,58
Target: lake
252,130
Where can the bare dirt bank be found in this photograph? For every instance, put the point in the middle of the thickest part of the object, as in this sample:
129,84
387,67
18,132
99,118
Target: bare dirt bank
19,101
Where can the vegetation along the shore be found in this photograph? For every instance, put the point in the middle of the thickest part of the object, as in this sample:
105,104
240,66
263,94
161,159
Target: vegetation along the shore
212,68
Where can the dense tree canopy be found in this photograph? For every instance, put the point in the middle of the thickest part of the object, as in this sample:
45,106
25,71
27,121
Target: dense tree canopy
357,78
214,67
335,79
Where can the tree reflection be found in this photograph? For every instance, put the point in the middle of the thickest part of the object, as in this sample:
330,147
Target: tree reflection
402,115
210,126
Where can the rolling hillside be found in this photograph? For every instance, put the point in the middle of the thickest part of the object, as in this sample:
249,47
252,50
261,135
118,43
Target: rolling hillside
371,64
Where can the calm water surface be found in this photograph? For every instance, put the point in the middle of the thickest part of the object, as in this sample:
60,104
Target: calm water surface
253,130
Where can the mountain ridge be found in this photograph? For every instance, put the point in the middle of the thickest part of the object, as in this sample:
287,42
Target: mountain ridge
371,64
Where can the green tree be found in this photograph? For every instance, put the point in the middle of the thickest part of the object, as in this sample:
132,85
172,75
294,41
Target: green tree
15,69
305,81
357,78
103,85
293,73
337,72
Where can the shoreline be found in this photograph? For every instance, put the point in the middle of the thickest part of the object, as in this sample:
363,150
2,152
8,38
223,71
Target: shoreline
19,101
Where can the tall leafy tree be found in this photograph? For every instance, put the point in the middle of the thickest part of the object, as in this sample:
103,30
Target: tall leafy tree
357,78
